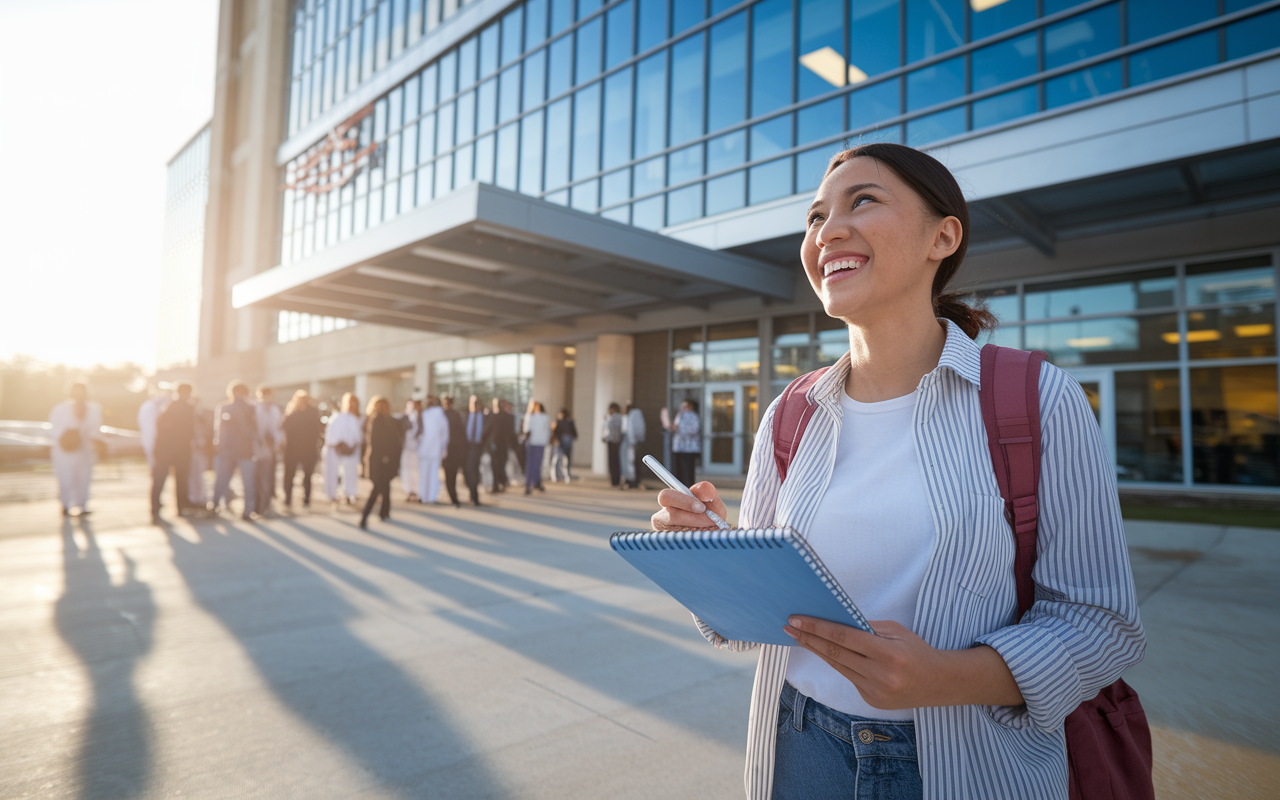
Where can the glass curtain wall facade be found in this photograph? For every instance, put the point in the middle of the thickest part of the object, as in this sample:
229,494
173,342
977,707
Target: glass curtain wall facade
293,325
657,112
508,376
718,368
182,258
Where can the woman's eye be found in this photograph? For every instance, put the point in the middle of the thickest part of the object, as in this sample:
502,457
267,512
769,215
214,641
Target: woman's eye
857,201
813,218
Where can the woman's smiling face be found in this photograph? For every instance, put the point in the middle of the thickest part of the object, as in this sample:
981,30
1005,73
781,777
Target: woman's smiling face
871,245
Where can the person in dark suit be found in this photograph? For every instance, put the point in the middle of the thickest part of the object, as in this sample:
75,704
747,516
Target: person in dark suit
477,436
503,425
385,436
175,430
456,453
303,431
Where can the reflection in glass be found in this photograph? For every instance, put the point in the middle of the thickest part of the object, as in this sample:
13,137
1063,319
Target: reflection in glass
687,352
933,27
771,181
560,59
1109,340
922,130
722,416
653,16
1082,36
651,105
1131,292
586,131
1073,87
686,93
772,56
1004,62
727,91
1006,106
1232,332
1235,432
936,84
588,62
617,35
617,119
648,214
990,17
874,103
1253,35
1148,18
1148,426
1174,58
1236,281
558,144
531,153
873,36
1002,301
821,49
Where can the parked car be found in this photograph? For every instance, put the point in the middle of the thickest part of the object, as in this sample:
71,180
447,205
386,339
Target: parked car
23,441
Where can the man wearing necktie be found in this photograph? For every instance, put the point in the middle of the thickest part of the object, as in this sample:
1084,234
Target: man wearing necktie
477,442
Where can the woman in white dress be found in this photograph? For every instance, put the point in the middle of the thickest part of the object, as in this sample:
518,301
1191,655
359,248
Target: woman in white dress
76,423
342,440
433,440
412,422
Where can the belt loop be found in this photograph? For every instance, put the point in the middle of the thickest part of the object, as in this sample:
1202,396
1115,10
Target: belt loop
797,711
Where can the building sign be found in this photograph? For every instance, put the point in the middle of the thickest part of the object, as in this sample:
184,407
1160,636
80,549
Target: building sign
329,167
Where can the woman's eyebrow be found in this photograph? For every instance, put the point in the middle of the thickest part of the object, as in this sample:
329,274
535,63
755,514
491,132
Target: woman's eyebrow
854,189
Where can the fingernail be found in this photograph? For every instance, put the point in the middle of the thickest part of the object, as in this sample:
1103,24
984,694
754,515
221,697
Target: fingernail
789,632
699,508
793,622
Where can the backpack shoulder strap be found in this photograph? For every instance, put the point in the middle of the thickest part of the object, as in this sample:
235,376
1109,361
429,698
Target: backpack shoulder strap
1010,397
791,417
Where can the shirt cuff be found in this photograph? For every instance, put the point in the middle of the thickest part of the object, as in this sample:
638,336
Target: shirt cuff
1045,673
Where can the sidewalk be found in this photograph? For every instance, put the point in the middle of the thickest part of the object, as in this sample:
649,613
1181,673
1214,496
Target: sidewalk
499,652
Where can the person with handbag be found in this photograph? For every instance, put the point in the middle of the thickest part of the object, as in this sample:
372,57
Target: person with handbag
885,464
343,438
386,442
74,424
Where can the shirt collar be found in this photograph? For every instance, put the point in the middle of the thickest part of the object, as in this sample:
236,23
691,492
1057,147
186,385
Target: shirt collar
960,354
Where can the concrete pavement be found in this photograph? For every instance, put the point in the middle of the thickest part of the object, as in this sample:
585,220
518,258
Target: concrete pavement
473,653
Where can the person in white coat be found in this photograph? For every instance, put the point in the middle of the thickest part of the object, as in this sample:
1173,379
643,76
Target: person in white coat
432,444
75,427
633,433
342,440
148,416
412,424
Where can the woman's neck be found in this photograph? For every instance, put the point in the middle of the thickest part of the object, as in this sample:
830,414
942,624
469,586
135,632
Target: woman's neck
888,359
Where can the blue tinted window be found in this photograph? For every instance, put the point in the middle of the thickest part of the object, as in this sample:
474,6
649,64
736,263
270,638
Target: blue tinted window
561,15
651,105
771,56
618,32
648,176
588,65
936,126
1073,87
411,95
444,176
1237,5
687,13
999,17
822,47
936,84
727,94
1149,18
1054,6
586,131
509,93
620,214
535,79
811,165
933,27
874,103
1003,62
467,63
464,165
615,187
466,116
684,165
1173,58
489,50
726,152
560,58
1004,107
684,204
448,74
891,133
531,153
770,138
820,121
512,34
874,45
1253,35
535,27
1082,36
648,214
771,181
445,128
508,142
653,23
617,118
585,7
558,144
726,193
585,196
686,90
722,5
487,105
429,88
427,137
560,198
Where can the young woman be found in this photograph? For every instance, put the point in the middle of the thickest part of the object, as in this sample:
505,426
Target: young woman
386,442
342,440
893,486
537,428
302,433
686,441
563,435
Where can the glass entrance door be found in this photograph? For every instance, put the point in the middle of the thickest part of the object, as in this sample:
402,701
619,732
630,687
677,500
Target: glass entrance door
722,446
1100,387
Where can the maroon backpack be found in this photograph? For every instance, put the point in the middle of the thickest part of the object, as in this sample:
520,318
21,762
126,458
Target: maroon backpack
1108,739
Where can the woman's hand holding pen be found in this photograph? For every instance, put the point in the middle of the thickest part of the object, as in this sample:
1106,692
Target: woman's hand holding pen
682,512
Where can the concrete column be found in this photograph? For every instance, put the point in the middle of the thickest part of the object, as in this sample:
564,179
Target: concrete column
548,377
584,403
368,385
422,380
316,390
615,357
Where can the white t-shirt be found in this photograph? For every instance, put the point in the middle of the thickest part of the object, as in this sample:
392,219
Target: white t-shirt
874,531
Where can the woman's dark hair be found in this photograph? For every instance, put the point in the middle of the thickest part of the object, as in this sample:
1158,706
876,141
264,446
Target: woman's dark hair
937,187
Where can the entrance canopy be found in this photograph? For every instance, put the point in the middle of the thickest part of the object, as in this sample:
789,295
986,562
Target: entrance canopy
484,260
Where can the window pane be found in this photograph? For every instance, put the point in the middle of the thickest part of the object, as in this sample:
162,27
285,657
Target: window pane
936,84
444,175
463,166
1149,18
771,181
1148,426
531,153
535,27
1174,58
686,352
651,105
820,121
1004,107
586,196
1236,281
684,204
427,137
512,34
508,142
771,56
1253,35
1004,62
1133,292
558,144
933,27
811,166
560,61
648,214
991,18
509,94
1003,302
1082,36
686,90
685,165
617,118
874,103
873,37
1233,332
726,152
466,116
467,62
561,15
489,50
687,13
535,79
448,74
588,65
653,23
484,159
733,365
648,176
769,138
726,193
936,126
727,100
619,35
487,114
822,48
429,96
586,131
615,187
1110,340
1076,86
1235,433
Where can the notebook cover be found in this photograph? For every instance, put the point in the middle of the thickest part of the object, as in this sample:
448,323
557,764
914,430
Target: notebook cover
742,582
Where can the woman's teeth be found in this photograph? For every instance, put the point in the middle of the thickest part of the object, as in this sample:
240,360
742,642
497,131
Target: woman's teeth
834,266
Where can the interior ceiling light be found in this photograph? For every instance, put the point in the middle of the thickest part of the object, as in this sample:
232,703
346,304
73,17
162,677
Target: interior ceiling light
983,5
829,65
1193,336
1247,331
1090,342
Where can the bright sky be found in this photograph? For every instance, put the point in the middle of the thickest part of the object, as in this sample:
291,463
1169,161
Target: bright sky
97,96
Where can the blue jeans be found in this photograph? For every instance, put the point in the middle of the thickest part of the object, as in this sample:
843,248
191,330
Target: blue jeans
224,466
533,465
824,754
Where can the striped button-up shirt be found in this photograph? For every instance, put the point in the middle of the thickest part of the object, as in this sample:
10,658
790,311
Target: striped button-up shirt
1080,635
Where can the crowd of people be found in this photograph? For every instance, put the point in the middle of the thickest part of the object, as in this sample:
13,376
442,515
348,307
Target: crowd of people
425,446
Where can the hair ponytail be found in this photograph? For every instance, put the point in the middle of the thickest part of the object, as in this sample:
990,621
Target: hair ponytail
940,193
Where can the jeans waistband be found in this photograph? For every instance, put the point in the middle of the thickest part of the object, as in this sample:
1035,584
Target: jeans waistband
869,737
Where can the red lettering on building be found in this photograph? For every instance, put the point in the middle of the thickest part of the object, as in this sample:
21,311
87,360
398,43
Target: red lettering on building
328,167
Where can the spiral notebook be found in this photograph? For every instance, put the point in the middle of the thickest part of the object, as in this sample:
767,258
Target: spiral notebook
742,582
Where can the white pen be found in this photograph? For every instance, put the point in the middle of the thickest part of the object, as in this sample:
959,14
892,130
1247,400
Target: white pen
671,480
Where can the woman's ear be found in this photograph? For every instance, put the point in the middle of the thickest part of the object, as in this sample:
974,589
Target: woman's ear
947,239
